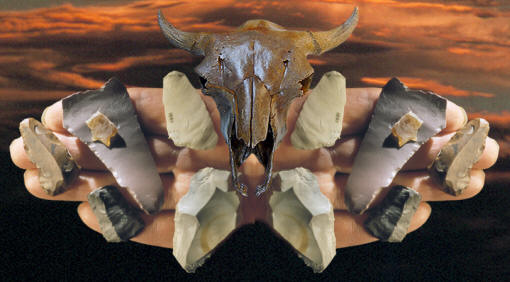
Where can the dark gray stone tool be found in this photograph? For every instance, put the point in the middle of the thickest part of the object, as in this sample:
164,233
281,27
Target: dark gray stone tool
128,157
118,220
379,158
390,220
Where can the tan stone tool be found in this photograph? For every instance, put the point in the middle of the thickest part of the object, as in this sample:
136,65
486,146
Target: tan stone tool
56,166
453,164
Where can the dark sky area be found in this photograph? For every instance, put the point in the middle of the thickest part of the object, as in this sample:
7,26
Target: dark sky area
458,49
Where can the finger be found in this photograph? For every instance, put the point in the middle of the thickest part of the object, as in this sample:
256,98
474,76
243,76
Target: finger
420,181
88,181
79,151
18,155
166,155
349,228
431,191
429,151
148,105
158,231
361,103
147,102
345,150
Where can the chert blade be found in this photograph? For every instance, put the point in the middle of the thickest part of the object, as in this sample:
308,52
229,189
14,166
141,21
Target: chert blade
204,217
303,216
187,120
453,164
320,121
131,164
57,169
117,219
376,163
390,220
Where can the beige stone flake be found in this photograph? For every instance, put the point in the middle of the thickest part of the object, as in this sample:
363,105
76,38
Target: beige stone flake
406,128
101,128
320,121
303,216
204,217
187,120
57,169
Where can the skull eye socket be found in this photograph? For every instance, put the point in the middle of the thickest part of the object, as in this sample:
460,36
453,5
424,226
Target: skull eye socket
203,82
305,83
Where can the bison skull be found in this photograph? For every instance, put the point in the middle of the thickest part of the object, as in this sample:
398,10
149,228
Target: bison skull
253,73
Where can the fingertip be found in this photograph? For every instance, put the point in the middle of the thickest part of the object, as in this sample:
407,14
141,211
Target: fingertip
18,155
421,216
476,183
489,155
88,217
29,177
456,117
52,117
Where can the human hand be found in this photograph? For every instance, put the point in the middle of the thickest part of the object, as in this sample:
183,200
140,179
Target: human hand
177,165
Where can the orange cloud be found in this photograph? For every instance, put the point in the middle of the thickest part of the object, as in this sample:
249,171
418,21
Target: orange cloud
15,94
73,80
409,4
168,57
502,119
459,51
317,62
424,84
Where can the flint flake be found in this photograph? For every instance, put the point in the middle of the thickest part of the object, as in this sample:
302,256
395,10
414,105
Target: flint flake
131,164
204,217
452,166
117,219
57,169
406,128
320,121
303,216
101,128
390,220
381,161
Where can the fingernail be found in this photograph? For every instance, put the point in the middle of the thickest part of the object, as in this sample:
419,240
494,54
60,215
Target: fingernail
43,119
465,116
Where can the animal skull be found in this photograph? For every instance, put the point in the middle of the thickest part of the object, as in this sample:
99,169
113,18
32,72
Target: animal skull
253,73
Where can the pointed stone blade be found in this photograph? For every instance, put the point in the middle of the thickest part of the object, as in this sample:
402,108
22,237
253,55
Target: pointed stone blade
303,216
390,220
320,121
57,169
187,120
204,217
117,219
378,160
453,164
130,161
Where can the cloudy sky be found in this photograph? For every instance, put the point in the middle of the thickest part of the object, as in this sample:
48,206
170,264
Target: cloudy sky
458,49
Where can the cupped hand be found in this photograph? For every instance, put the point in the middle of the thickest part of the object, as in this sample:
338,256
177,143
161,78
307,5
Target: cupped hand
177,165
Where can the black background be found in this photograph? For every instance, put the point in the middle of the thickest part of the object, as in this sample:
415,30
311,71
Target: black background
45,240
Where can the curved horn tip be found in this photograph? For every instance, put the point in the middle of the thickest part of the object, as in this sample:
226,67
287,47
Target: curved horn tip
161,19
327,40
355,13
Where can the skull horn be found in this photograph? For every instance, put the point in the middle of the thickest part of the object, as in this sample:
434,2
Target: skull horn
327,40
193,42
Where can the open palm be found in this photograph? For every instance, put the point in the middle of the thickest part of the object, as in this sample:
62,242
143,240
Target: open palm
177,165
